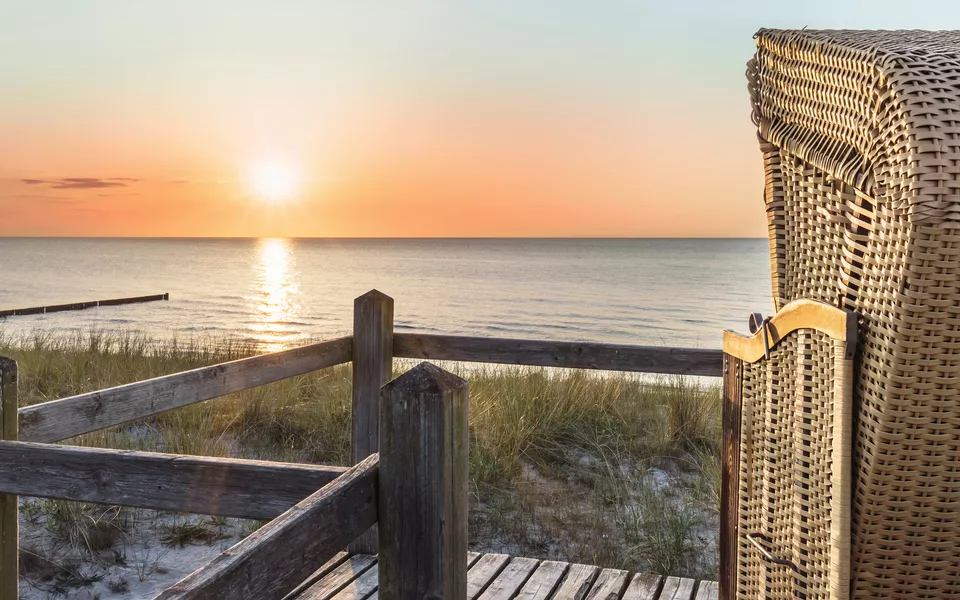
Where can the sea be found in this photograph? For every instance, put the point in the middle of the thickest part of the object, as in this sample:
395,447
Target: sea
279,293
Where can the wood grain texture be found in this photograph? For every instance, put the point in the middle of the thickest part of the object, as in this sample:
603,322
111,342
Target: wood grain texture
424,446
483,572
68,417
361,587
472,557
643,586
281,554
677,588
319,574
490,577
609,585
510,579
576,585
730,474
607,357
372,367
543,581
227,487
9,525
339,578
707,590
837,323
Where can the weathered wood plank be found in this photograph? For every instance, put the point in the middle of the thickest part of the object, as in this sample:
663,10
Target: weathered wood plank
677,588
708,590
576,585
281,554
643,586
9,526
69,417
607,357
372,368
36,310
319,574
543,581
609,585
472,557
227,487
424,453
339,578
482,573
361,587
510,579
730,474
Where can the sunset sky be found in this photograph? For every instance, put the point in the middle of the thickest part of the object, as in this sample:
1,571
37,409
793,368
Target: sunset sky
446,119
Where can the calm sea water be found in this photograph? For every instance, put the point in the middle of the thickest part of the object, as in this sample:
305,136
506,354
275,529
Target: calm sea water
279,293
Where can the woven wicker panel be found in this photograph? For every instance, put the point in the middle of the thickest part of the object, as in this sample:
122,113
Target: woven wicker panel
786,470
861,141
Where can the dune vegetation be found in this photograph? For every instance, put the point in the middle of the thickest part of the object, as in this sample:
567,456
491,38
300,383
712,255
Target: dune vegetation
599,468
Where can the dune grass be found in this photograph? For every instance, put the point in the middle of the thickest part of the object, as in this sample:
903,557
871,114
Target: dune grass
564,464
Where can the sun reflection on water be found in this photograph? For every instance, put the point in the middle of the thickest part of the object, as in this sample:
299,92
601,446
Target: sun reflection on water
276,290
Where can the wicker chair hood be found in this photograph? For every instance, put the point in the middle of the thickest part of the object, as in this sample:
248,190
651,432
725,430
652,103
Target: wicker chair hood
860,136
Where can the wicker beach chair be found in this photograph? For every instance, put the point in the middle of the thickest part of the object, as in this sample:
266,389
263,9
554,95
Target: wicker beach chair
860,136
788,420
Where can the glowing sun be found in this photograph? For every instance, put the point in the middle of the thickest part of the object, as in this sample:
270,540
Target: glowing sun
274,182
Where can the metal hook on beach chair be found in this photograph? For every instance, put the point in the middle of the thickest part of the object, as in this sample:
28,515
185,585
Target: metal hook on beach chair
757,323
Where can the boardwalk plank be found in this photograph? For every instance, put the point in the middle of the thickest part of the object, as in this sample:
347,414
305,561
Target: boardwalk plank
576,585
501,577
483,572
472,557
708,590
511,579
543,581
643,587
318,574
361,587
339,578
609,585
677,588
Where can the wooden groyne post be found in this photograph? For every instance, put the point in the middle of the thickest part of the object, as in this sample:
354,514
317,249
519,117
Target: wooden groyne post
422,491
39,310
372,367
9,528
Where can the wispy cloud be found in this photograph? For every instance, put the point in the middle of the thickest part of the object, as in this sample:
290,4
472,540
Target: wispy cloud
81,183
52,199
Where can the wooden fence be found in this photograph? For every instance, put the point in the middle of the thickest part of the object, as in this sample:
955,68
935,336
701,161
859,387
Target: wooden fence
409,448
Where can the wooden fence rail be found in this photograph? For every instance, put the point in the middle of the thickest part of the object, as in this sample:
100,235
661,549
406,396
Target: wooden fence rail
226,487
69,417
282,554
577,355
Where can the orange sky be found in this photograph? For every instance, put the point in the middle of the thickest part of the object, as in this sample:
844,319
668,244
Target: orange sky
554,119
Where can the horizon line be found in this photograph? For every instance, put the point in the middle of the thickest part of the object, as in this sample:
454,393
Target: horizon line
268,237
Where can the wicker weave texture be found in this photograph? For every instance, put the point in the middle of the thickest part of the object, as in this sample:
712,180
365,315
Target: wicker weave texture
786,470
860,135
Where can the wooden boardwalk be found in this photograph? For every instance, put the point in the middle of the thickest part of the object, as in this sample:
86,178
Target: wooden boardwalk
502,577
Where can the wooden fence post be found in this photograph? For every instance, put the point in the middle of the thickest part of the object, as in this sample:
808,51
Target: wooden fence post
9,528
730,484
422,493
372,367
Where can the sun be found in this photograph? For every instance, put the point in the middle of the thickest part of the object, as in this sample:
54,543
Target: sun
274,182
